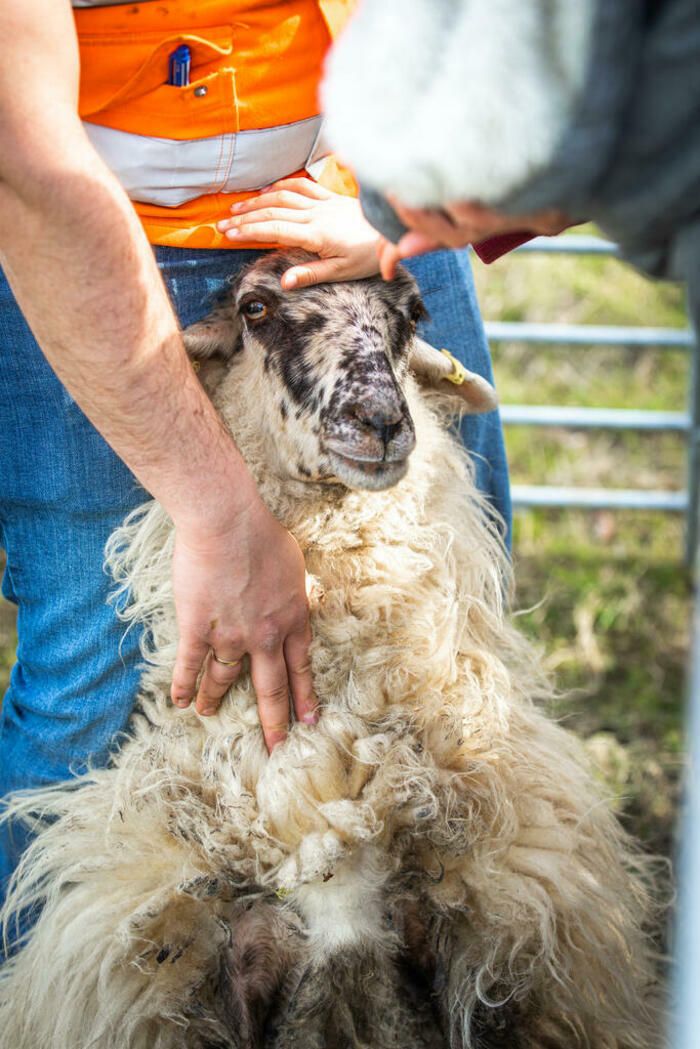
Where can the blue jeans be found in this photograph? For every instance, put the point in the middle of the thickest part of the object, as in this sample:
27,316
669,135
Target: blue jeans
454,323
63,491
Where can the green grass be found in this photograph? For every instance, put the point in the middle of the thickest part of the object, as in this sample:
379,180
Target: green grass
614,626
608,592
8,639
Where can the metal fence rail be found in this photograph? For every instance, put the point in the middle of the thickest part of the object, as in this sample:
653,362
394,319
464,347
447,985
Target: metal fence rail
594,418
685,1028
524,495
588,334
688,422
570,244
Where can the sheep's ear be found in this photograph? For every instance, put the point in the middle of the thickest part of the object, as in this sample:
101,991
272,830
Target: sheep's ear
440,370
215,336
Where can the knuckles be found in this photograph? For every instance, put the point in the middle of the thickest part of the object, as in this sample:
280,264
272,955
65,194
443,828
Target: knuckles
270,639
301,669
186,666
277,696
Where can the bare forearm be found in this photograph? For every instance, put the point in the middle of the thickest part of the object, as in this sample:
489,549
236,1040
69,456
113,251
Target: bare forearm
87,281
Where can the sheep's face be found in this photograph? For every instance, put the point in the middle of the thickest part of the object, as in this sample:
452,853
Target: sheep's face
331,361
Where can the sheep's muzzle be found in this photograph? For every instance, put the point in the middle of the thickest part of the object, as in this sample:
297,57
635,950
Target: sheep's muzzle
369,442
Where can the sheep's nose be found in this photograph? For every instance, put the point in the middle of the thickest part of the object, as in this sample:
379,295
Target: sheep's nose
384,423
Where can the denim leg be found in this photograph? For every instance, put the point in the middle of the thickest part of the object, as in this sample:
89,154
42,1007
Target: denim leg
447,287
195,279
62,492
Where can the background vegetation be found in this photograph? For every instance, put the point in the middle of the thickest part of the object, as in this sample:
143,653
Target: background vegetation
607,592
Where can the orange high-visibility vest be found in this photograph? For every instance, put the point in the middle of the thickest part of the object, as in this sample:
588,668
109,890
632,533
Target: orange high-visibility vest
249,116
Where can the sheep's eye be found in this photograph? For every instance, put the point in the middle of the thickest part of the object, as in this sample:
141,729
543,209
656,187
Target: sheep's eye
255,310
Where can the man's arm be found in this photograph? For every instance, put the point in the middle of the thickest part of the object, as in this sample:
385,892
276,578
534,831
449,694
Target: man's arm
85,277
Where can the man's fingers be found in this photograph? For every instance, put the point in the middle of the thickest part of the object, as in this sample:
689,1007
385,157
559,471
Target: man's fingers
269,674
323,271
467,222
439,227
452,226
191,653
296,655
549,222
478,216
215,682
389,258
410,244
416,244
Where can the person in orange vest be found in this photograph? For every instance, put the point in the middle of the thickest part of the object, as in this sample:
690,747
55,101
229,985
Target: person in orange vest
157,117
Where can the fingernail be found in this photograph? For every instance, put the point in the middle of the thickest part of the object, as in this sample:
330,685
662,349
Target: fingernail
290,280
310,718
208,711
183,701
238,206
233,233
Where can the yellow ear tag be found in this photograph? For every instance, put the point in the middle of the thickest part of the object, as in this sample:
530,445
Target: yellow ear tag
196,366
458,375
282,894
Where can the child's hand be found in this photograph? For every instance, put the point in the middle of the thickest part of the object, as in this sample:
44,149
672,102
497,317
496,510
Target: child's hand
299,213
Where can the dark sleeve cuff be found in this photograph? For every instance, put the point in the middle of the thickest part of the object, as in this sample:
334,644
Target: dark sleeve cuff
491,249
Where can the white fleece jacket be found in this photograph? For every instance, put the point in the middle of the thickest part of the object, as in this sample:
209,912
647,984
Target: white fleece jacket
441,100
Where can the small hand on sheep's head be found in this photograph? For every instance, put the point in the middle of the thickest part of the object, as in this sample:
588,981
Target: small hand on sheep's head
312,385
299,213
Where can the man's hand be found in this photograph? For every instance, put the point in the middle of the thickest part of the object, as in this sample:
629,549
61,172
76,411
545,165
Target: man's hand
237,592
458,225
299,213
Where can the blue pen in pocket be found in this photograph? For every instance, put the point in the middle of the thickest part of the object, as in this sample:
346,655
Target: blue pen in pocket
179,66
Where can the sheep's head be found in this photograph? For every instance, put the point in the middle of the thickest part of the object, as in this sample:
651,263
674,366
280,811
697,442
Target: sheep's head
323,370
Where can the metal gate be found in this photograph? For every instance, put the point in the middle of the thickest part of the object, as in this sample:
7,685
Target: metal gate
685,1032
688,422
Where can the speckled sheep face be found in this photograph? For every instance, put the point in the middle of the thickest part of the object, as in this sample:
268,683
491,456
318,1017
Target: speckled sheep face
331,361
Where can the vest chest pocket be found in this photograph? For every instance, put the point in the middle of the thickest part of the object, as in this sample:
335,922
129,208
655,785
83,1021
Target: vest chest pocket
248,116
124,83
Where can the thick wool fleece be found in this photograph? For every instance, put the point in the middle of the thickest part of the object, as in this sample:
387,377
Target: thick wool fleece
429,753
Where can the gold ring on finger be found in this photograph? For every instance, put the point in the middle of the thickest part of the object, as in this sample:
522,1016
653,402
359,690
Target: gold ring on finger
225,662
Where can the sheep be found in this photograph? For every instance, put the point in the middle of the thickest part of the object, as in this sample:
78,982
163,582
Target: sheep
431,866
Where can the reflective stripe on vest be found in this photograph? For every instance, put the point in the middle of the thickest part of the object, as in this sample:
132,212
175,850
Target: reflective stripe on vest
169,172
